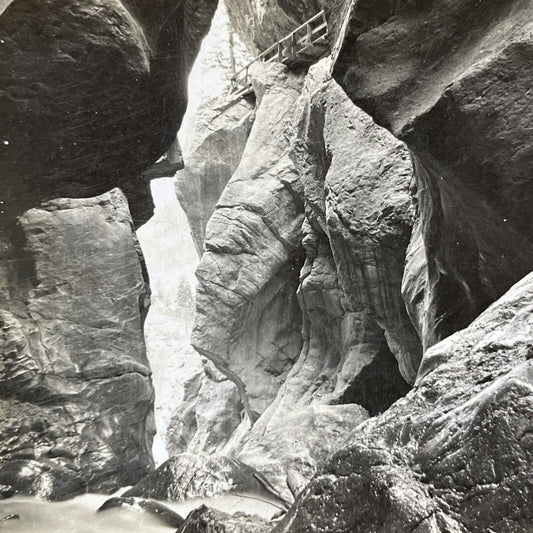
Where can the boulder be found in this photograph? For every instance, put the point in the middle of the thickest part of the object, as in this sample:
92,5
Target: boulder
139,505
74,375
92,95
455,454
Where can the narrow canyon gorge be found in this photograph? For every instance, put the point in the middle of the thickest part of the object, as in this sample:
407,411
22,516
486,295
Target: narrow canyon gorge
266,266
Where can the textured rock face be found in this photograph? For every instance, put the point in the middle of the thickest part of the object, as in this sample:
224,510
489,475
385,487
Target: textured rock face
452,80
286,444
248,319
93,94
206,520
214,149
76,391
453,455
208,414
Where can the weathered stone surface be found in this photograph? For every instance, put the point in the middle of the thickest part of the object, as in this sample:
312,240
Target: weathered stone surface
355,178
76,391
206,520
92,94
248,319
452,80
208,414
215,144
188,476
286,447
455,454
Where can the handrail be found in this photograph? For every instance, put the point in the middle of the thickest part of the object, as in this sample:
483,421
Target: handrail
288,43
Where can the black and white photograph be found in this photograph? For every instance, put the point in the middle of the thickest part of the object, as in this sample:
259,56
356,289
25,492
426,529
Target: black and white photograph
266,266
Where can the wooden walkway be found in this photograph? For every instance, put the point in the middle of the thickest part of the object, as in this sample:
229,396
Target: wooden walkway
303,46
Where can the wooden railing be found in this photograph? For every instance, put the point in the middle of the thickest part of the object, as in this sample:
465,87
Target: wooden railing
305,44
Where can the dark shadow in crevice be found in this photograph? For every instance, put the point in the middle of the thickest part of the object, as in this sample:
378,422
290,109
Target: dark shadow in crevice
378,385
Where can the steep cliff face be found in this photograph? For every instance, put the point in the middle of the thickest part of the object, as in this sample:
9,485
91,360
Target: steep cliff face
76,390
93,93
453,455
452,80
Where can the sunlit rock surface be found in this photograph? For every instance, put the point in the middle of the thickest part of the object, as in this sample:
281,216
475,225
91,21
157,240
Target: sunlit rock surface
248,319
209,412
357,338
76,392
453,455
452,80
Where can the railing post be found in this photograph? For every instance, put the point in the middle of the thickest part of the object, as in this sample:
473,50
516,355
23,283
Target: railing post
280,53
309,33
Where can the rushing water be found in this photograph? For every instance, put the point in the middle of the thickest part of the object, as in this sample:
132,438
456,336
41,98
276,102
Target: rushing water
79,514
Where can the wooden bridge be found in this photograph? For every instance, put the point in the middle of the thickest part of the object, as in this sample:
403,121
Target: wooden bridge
303,46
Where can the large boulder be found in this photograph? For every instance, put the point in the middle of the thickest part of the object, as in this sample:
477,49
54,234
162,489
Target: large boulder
452,80
76,396
92,94
455,454
187,476
207,520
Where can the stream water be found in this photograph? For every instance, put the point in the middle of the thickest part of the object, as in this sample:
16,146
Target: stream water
79,514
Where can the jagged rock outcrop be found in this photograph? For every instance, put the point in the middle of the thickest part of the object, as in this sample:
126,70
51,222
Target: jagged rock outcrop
455,454
76,392
188,476
215,144
452,80
92,94
248,319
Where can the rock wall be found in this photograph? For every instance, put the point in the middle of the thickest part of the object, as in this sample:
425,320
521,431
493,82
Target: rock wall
353,178
248,319
76,396
215,145
451,79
